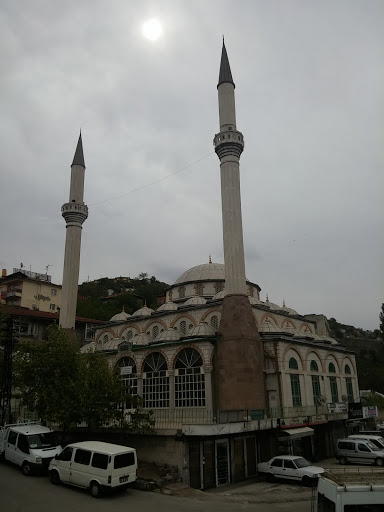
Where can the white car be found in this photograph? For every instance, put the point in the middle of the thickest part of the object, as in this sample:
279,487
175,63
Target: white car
291,467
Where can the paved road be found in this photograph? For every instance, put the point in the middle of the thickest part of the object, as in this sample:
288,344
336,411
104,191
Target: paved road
36,494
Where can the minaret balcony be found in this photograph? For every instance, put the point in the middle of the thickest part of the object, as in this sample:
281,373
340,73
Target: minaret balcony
228,143
74,213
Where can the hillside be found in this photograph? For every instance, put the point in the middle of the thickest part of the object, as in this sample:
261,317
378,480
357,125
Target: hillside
103,298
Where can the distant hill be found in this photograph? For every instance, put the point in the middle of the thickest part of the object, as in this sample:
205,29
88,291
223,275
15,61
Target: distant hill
368,347
103,298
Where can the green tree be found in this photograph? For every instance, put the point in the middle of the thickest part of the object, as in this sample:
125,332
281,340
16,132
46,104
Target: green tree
382,321
65,387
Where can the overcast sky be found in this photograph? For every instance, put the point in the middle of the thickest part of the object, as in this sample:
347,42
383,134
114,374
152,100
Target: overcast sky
309,98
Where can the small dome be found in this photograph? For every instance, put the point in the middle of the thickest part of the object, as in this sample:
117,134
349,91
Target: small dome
271,305
112,344
219,295
120,317
141,339
144,311
200,330
290,311
88,348
169,334
168,306
194,301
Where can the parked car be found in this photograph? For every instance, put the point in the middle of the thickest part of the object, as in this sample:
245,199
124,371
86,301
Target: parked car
94,465
291,467
376,440
359,451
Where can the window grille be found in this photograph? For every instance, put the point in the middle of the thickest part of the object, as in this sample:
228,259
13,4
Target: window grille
155,381
295,388
334,390
155,332
214,322
189,379
219,287
181,292
199,287
129,379
183,327
348,383
316,389
129,335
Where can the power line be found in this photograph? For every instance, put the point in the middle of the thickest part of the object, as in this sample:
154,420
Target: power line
153,182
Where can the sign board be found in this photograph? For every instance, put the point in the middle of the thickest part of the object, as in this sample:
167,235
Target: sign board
370,411
355,410
337,407
125,370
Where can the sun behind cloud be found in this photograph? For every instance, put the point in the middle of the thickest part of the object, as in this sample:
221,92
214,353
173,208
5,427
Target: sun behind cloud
152,29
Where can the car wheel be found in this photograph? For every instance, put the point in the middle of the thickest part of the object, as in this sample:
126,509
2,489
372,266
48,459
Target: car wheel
270,477
379,462
26,468
54,477
95,489
343,460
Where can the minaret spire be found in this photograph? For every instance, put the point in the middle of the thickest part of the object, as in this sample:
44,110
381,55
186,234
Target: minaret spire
75,212
78,159
225,75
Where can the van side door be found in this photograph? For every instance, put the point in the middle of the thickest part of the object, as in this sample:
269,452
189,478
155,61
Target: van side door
22,450
10,447
64,463
81,469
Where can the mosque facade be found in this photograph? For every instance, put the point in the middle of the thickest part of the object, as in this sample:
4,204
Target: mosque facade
231,380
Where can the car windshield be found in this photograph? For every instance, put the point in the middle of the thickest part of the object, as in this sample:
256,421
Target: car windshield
44,440
372,446
302,463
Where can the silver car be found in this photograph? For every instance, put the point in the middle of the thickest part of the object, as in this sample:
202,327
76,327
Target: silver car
290,467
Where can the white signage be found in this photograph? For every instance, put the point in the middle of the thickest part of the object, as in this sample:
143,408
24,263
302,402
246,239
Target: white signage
125,370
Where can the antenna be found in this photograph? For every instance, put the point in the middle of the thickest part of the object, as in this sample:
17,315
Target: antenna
47,267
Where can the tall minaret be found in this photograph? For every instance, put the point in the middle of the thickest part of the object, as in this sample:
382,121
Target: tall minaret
229,145
238,359
74,212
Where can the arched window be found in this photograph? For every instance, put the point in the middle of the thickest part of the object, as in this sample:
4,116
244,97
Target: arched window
181,291
293,364
155,332
331,368
129,335
105,338
199,287
219,287
214,322
189,379
183,327
127,368
251,291
314,367
155,381
190,326
347,369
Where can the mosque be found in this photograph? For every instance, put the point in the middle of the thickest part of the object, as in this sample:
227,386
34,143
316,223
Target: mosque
231,380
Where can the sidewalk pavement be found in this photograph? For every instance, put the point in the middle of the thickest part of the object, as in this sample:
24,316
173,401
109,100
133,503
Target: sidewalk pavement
254,490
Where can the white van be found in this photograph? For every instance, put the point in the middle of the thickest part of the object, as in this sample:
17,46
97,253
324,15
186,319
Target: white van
94,465
376,440
29,445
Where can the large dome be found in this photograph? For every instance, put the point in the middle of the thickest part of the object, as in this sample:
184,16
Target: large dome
205,272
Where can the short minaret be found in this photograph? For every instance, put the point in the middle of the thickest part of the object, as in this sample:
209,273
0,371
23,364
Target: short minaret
229,145
74,212
238,360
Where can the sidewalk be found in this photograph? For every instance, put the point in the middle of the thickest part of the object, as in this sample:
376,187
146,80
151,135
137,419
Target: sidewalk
254,490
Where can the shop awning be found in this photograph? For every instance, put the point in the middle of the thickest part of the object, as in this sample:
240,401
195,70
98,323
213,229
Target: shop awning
295,433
